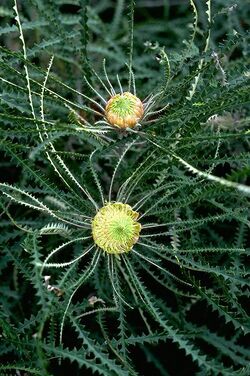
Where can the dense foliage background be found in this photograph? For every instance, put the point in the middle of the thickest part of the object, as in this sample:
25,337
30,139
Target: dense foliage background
189,289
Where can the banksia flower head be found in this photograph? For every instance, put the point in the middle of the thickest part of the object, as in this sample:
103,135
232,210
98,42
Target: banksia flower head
124,110
118,108
115,228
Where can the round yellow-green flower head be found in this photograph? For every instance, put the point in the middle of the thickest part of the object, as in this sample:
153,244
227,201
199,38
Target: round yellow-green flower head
115,228
124,110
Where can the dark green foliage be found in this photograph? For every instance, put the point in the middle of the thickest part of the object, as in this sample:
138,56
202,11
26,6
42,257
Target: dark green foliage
178,303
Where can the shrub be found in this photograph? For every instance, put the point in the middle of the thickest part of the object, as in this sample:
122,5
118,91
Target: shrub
125,188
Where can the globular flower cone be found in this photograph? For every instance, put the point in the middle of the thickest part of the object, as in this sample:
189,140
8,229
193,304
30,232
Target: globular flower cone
124,110
115,228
